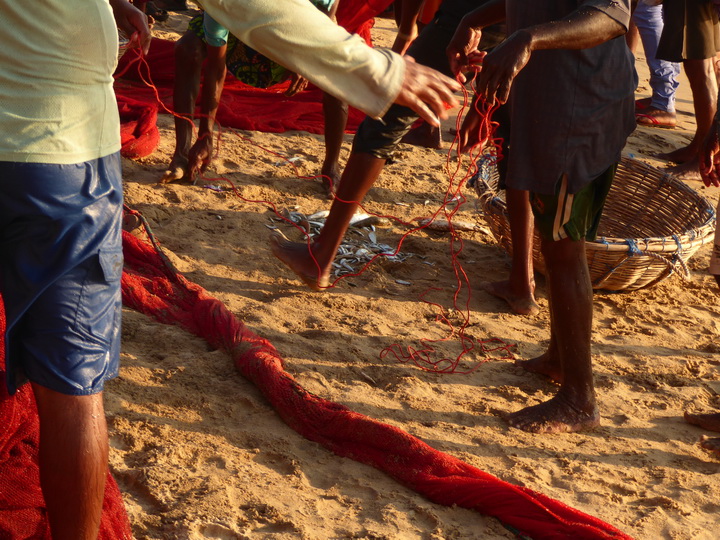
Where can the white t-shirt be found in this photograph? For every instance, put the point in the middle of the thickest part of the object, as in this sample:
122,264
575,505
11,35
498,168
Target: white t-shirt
57,104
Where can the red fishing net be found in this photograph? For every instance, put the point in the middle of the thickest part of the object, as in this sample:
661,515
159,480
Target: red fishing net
22,507
151,286
141,84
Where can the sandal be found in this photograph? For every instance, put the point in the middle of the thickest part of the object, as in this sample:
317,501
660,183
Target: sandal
651,120
160,15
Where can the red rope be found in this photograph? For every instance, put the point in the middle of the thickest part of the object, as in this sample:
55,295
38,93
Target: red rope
153,287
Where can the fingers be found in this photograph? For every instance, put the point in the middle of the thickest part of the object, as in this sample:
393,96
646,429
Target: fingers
426,91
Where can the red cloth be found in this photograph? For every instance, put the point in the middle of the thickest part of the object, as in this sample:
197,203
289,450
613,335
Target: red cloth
151,286
241,106
22,506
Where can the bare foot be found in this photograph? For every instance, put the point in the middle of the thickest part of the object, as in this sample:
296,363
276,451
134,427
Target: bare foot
296,256
711,443
709,421
424,135
545,364
176,170
681,155
523,304
689,170
558,415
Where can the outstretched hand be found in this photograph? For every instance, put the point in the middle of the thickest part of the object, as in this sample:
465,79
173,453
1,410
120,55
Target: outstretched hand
134,23
501,66
462,50
426,92
710,158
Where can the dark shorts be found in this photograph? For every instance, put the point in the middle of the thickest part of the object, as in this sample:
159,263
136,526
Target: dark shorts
575,216
381,137
60,269
691,31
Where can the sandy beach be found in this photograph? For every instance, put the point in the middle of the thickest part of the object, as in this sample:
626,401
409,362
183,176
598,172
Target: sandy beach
199,453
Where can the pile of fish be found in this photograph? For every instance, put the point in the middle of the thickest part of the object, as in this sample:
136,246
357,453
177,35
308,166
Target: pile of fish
359,245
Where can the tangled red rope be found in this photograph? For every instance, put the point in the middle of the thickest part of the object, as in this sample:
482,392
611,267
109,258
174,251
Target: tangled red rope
151,286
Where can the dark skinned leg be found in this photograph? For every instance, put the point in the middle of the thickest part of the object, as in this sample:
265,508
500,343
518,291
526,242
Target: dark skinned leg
574,407
189,56
73,462
336,115
701,75
360,174
519,290
712,444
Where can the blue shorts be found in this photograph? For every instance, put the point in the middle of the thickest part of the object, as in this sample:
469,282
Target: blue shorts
60,269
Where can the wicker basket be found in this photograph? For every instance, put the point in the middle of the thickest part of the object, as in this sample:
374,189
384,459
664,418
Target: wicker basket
652,224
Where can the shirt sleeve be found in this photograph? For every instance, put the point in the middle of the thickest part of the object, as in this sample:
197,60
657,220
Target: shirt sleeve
216,35
298,36
618,10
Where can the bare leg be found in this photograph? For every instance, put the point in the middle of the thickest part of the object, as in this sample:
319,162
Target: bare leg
709,421
703,83
73,462
519,290
189,56
574,407
360,174
336,114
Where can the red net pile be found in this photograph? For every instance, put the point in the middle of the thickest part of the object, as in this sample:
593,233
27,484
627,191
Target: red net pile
142,85
151,286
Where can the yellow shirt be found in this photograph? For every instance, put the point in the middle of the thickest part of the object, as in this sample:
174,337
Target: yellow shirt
57,103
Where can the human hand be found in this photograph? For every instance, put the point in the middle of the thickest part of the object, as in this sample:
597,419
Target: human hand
501,66
462,49
298,83
200,156
472,131
133,22
426,91
710,158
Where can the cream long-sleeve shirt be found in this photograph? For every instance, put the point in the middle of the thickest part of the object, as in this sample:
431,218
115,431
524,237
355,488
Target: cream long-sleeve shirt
305,41
57,104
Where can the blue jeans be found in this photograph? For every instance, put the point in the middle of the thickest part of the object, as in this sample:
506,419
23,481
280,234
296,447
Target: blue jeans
663,74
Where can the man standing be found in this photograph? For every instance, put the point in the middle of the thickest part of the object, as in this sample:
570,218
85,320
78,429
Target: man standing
61,201
568,78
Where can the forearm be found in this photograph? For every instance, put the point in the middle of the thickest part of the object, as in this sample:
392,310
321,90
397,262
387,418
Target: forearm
488,14
213,82
582,29
300,37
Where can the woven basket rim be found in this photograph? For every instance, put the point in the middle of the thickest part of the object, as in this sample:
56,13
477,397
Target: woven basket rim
686,239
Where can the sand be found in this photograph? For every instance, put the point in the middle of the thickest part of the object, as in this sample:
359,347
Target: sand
199,453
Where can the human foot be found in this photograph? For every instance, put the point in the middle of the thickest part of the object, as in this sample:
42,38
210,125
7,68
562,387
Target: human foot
709,421
652,117
177,170
557,415
642,103
687,171
523,304
298,258
681,155
545,364
711,443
